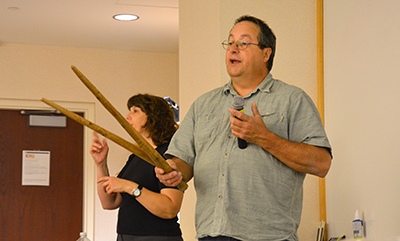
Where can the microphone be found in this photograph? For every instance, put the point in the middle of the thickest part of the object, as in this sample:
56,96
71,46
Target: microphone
238,104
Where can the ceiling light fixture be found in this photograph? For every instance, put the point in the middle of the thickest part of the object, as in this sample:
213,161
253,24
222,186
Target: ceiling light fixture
126,17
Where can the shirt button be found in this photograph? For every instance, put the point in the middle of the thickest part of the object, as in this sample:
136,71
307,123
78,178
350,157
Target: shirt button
220,197
222,175
225,154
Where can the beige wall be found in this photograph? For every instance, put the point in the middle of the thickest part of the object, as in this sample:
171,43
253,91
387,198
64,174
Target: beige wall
199,61
362,117
204,25
30,72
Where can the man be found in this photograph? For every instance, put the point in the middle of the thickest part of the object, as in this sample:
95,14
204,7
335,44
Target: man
253,193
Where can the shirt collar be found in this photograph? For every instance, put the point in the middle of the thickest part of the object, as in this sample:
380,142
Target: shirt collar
264,86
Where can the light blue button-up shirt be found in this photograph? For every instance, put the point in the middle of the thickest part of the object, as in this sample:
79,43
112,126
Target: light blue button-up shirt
247,193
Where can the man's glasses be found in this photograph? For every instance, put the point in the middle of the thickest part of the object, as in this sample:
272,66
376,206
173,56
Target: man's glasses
240,44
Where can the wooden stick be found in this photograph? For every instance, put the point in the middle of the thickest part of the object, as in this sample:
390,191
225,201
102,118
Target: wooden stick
120,141
143,144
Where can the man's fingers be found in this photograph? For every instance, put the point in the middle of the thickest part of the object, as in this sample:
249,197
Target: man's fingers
255,109
172,164
238,114
159,171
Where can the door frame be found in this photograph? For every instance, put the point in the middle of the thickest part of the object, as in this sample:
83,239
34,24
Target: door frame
89,185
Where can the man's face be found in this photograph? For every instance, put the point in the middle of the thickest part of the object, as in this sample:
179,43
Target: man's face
248,63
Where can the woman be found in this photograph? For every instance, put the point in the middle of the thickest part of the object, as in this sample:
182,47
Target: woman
147,209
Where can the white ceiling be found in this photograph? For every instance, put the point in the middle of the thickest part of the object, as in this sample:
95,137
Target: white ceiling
89,24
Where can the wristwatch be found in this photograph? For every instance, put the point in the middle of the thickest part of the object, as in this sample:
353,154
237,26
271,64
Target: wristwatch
137,191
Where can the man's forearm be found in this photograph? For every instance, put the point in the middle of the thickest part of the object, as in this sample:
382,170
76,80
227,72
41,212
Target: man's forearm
301,157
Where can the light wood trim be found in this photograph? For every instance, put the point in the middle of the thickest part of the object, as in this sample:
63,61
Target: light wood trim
320,58
320,105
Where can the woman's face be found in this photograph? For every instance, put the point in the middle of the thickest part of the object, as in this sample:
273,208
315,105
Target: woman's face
137,118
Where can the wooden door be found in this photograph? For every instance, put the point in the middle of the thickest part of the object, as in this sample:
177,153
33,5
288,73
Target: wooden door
42,213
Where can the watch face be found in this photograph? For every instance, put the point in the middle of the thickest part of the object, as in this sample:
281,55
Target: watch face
136,192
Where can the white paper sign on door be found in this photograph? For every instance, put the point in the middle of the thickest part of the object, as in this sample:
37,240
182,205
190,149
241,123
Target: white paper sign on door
35,168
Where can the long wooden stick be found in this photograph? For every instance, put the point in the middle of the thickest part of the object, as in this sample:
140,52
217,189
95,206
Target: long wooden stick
143,144
120,141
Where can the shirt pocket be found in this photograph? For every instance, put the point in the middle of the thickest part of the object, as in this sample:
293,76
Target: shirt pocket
277,123
206,128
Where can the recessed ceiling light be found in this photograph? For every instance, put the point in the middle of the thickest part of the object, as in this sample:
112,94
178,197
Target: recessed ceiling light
126,17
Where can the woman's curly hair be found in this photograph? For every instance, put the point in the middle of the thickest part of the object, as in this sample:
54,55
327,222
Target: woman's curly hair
160,117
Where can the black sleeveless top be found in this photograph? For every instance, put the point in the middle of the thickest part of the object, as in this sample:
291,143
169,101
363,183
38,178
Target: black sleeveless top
133,218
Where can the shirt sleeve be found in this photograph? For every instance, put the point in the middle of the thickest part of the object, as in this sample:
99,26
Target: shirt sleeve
305,125
182,143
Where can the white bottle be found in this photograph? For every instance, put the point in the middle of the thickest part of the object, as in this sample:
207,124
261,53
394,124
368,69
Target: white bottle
83,237
358,226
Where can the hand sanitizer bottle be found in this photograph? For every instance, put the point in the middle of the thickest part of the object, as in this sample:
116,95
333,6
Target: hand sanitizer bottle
358,226
83,237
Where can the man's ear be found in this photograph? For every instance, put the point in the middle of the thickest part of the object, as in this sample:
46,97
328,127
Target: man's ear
267,53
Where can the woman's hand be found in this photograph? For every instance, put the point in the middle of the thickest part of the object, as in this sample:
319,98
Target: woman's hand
99,150
114,185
